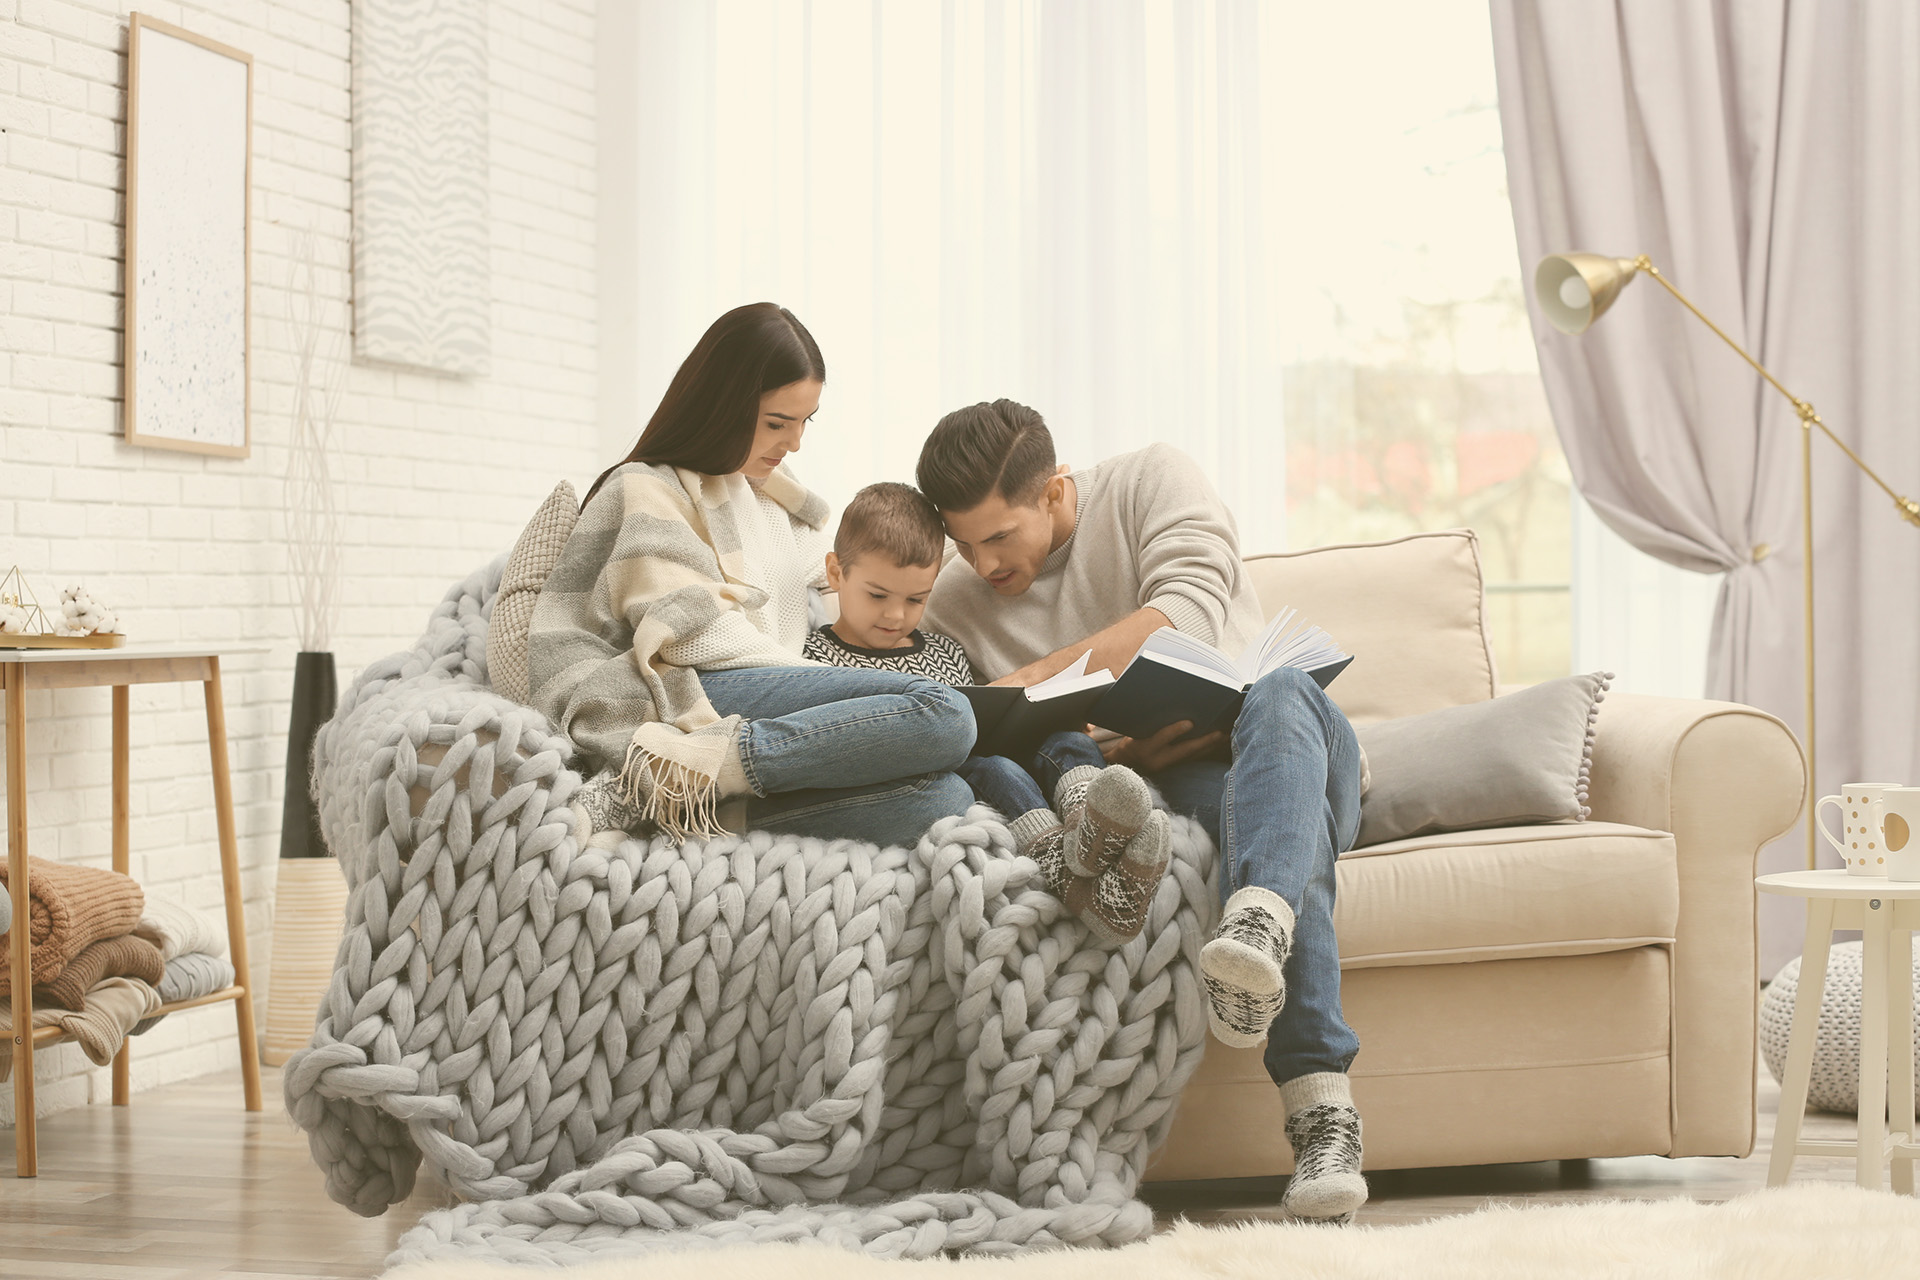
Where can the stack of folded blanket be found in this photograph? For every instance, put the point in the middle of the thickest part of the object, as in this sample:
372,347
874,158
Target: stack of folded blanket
192,950
105,958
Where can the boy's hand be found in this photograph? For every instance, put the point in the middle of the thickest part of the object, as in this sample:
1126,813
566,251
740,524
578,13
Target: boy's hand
1163,749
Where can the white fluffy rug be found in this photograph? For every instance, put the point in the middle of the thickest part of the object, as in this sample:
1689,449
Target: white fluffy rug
1795,1233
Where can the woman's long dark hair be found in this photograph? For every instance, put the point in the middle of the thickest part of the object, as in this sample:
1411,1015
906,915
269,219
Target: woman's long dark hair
706,420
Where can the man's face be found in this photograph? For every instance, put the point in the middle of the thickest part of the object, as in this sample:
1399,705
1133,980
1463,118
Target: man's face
1006,543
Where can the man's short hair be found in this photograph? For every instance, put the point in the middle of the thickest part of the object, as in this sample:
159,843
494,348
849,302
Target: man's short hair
999,447
893,519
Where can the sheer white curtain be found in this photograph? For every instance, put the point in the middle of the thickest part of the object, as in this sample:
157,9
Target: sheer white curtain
1057,202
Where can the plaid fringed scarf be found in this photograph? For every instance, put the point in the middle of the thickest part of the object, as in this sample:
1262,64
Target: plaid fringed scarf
650,588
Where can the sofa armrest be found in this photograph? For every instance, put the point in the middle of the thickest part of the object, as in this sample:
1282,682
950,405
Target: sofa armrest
1725,779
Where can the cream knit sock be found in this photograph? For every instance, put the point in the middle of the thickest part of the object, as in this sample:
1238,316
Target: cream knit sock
1323,1127
1244,966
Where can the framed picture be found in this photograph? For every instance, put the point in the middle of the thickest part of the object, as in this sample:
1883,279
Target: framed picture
189,241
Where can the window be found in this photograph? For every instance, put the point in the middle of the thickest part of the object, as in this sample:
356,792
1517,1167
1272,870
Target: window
1412,400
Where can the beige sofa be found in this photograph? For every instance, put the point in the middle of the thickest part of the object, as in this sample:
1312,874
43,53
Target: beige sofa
1561,991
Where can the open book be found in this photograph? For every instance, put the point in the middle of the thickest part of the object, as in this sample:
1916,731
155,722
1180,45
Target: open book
1013,721
1176,677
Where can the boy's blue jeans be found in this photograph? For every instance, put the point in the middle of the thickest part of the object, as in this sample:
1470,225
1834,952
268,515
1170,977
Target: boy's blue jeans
1015,790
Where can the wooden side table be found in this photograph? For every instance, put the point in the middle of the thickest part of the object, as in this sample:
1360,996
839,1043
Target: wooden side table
1886,912
24,669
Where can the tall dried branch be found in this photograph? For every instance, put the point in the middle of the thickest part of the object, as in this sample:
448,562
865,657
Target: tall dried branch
312,511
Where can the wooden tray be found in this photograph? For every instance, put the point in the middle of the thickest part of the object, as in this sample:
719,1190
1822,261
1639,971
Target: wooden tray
112,640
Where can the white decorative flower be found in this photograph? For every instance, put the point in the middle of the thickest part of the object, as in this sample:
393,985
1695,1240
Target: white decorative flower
13,619
82,615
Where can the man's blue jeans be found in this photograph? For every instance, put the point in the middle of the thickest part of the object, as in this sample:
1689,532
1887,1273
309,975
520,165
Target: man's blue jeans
841,752
1286,807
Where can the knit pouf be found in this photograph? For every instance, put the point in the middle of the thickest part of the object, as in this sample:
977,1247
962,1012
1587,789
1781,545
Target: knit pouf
1835,1083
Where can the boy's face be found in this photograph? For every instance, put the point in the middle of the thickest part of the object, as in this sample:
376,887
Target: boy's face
880,602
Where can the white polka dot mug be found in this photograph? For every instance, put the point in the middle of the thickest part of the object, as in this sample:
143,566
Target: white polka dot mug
1859,845
1896,821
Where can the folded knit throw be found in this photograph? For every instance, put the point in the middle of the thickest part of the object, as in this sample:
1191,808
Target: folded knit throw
122,957
189,977
72,907
178,930
113,1007
906,1052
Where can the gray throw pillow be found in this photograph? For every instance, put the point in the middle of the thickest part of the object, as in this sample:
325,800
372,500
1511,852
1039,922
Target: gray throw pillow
1510,761
531,560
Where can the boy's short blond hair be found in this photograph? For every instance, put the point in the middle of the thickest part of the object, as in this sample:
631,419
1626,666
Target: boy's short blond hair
895,520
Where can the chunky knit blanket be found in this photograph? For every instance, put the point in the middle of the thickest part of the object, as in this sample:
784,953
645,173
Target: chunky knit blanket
902,1051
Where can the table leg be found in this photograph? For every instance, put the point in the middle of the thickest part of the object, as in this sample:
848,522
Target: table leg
26,1152
230,881
1900,1051
1806,1025
122,861
1871,1139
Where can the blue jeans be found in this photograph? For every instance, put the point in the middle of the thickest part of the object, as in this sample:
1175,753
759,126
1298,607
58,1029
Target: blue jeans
838,752
1014,790
1286,807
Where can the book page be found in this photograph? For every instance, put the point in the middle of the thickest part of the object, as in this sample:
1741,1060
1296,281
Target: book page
1288,642
1066,682
1195,654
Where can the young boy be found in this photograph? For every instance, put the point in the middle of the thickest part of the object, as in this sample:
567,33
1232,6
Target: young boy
1105,860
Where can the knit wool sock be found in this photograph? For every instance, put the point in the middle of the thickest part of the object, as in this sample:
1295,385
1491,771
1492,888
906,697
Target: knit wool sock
1038,834
601,812
1245,964
1106,811
1323,1128
1123,892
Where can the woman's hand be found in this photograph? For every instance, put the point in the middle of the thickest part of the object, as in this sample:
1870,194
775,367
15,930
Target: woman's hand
1163,749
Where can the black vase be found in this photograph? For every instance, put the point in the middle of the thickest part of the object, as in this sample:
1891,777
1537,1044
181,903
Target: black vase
315,695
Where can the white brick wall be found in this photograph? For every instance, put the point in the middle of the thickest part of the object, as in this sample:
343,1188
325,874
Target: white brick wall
436,474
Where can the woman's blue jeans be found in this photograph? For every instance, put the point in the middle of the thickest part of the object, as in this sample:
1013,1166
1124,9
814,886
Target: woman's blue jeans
841,752
1287,806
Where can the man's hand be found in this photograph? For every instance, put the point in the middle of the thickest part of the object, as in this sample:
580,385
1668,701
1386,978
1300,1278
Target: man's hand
1031,674
1163,749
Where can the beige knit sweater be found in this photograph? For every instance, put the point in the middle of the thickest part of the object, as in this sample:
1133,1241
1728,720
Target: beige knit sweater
1149,530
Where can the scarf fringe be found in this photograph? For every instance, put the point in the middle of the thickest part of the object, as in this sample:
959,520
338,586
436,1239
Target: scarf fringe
682,802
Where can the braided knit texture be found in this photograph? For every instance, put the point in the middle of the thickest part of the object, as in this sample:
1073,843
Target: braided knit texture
905,1052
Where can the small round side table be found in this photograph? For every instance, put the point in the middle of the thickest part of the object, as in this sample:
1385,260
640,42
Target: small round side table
1886,912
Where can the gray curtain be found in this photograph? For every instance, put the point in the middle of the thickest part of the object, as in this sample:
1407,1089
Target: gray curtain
1766,155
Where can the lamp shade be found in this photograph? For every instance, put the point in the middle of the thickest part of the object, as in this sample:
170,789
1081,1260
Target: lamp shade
1575,289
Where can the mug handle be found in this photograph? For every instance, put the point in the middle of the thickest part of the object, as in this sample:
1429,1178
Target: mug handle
1821,826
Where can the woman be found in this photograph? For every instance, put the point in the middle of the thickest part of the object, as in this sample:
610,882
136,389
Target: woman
666,642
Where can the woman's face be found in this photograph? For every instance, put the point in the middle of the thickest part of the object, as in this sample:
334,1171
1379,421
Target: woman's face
783,420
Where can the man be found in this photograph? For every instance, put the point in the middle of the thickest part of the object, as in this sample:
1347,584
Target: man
1052,564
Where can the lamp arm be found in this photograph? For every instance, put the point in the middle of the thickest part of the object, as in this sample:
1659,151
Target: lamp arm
1809,419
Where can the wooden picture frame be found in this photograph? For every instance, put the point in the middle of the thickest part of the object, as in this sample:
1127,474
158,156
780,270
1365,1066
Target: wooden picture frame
188,352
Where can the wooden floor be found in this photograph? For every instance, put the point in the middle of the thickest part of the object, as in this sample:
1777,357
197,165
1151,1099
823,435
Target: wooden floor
186,1184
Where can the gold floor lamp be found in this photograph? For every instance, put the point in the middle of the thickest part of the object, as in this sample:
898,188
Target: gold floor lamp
1575,289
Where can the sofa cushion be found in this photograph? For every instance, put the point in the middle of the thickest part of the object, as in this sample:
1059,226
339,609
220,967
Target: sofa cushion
1522,757
1409,610
532,559
1503,893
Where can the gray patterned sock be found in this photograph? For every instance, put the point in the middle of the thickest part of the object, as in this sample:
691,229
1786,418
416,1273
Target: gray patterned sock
600,810
1123,892
1106,812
